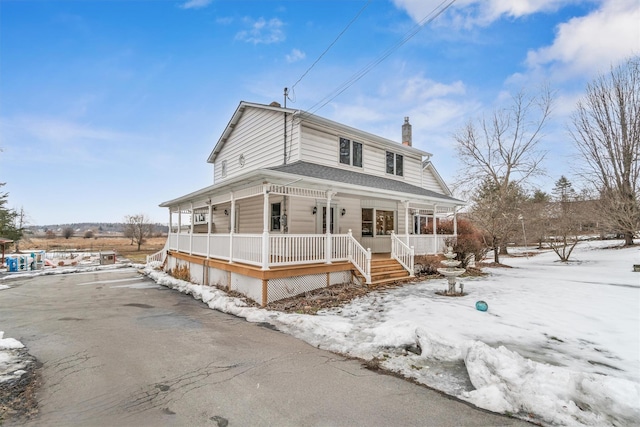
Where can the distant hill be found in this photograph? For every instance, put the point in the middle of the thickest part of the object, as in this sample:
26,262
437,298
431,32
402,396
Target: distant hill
99,228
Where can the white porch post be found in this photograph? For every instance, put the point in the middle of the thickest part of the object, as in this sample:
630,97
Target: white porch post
328,219
406,220
455,222
265,228
435,234
179,228
209,229
232,227
170,222
191,231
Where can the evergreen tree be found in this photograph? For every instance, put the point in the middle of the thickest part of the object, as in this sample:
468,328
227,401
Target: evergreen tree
8,216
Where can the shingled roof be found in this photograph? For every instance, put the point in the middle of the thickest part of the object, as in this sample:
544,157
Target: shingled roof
328,173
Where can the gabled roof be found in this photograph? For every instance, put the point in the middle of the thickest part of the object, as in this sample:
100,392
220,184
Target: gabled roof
428,165
234,121
308,118
337,175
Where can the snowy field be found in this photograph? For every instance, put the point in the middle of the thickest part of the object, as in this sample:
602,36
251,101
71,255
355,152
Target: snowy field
559,344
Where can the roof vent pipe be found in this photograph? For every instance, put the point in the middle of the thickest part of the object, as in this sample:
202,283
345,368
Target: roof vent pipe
406,132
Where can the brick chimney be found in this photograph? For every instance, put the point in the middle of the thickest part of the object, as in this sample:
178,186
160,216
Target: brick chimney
406,132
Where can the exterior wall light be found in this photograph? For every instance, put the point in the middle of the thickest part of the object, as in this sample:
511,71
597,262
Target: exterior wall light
315,210
344,211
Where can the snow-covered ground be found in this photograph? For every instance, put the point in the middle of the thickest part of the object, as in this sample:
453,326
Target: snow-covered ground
559,344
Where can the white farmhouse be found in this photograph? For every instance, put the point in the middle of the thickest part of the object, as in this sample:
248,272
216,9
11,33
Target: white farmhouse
300,202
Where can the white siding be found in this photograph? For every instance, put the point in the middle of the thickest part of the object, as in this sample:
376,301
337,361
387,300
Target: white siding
301,217
430,182
259,137
321,147
250,215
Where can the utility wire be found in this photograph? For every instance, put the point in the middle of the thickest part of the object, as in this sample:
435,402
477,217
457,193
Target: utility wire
331,45
437,11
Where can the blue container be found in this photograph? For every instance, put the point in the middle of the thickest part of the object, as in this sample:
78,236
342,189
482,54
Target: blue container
482,306
12,263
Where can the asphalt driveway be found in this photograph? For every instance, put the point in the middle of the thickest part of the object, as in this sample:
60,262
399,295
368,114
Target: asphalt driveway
117,349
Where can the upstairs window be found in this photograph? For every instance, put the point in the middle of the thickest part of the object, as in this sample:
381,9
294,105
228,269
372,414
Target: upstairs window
223,172
350,152
395,164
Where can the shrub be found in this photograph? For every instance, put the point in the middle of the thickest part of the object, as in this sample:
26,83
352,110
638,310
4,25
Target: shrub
428,264
181,272
88,234
470,241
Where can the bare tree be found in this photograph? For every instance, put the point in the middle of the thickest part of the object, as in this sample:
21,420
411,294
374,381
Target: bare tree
565,219
67,232
502,153
138,228
606,132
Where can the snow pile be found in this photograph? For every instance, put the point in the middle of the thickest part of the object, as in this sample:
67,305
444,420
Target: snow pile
559,345
508,383
9,343
12,364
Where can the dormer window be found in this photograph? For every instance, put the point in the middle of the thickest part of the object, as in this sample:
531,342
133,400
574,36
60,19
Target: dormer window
395,164
350,152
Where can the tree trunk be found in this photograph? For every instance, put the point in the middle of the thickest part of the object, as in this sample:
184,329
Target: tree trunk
628,238
496,255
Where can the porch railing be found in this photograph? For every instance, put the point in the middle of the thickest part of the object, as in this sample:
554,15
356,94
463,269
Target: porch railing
426,244
282,249
402,253
291,249
359,257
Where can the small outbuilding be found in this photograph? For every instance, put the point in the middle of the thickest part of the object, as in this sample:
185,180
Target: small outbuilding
3,243
107,257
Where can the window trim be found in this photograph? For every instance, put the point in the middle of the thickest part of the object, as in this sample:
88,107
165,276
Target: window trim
398,159
373,224
223,169
275,226
350,156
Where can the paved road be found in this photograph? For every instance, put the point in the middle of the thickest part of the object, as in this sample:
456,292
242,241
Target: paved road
119,350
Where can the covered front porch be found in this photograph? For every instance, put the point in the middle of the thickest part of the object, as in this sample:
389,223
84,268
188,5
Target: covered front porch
304,226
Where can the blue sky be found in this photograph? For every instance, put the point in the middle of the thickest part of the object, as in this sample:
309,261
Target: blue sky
108,108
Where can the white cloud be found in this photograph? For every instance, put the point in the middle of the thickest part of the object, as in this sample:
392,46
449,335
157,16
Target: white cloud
295,56
262,31
468,13
196,4
593,43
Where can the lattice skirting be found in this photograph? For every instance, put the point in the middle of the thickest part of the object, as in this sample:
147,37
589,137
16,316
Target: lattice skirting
253,288
278,289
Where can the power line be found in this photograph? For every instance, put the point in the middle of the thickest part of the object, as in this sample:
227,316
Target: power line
437,11
331,45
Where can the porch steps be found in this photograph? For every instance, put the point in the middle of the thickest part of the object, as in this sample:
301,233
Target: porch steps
385,271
